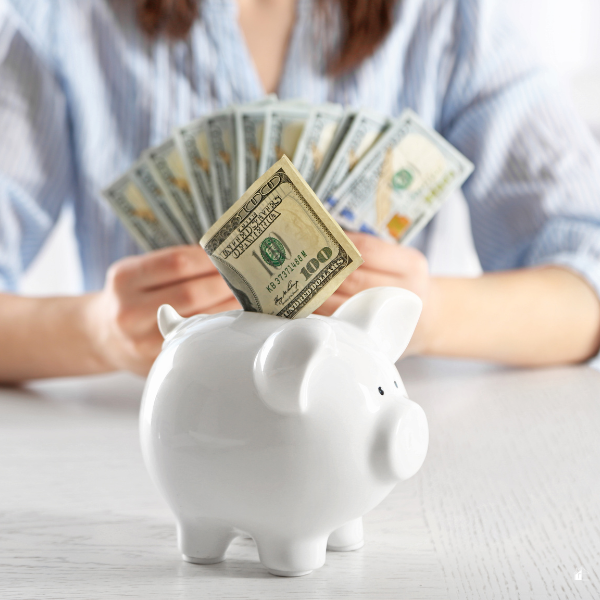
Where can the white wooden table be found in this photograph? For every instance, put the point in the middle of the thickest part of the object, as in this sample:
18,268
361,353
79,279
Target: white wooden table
506,506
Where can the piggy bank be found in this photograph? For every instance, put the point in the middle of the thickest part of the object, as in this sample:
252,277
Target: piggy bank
287,431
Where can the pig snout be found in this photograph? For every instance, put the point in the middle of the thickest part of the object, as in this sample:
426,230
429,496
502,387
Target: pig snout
402,441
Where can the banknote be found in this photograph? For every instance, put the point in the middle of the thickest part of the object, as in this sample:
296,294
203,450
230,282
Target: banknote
278,249
283,128
221,128
143,177
128,201
401,183
340,134
317,136
249,130
192,141
168,168
366,128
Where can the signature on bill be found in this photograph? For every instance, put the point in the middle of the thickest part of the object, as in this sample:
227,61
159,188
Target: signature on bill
291,287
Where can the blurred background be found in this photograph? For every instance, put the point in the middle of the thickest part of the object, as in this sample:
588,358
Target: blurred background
564,35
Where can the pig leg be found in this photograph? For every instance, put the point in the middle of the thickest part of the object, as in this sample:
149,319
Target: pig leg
347,537
204,542
289,557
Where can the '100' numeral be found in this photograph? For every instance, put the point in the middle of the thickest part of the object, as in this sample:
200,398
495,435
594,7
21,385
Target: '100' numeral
312,265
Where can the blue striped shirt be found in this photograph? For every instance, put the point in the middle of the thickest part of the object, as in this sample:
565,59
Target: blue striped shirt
83,92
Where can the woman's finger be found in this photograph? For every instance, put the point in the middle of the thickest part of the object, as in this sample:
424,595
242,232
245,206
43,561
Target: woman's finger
232,304
161,268
364,278
192,296
386,257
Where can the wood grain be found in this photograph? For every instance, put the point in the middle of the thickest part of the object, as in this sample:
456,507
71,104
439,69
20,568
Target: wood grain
506,505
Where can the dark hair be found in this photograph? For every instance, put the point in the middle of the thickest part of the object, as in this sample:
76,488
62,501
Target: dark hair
364,25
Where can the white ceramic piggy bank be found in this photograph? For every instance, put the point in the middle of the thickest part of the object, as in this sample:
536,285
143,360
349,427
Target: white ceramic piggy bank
287,431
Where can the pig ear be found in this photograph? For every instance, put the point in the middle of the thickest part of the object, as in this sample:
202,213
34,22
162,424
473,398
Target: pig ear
168,319
388,314
285,362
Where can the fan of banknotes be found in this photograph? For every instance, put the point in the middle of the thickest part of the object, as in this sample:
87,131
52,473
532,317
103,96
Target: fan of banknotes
383,176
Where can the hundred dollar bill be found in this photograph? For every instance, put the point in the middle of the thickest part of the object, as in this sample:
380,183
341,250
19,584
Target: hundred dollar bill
366,128
278,249
401,183
193,144
142,175
167,166
316,139
221,128
283,128
249,130
340,134
135,212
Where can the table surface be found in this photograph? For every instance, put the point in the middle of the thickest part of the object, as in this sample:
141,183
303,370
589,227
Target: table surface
506,506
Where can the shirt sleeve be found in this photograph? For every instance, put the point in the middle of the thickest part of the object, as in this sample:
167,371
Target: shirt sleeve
534,197
36,174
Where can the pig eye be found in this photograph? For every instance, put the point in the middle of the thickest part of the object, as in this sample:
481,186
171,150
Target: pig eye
395,384
380,391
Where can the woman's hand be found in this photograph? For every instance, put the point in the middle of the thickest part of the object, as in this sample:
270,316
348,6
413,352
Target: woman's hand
122,318
386,265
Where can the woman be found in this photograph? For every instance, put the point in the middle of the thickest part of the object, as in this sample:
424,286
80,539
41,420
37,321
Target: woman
86,86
